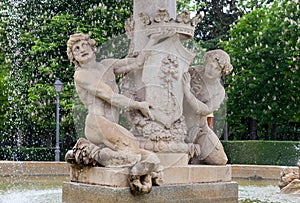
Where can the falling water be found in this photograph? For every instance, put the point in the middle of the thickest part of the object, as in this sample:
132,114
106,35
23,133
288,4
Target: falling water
37,189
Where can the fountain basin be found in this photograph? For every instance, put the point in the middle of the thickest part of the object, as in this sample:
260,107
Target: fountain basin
34,183
37,189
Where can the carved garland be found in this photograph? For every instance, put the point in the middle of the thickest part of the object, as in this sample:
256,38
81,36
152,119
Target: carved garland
169,69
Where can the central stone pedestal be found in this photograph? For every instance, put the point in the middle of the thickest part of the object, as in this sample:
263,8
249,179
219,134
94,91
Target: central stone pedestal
181,183
221,192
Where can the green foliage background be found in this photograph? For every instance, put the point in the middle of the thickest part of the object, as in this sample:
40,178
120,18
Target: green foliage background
264,47
282,153
30,154
34,47
261,36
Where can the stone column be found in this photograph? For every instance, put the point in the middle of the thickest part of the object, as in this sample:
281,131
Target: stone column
148,7
157,32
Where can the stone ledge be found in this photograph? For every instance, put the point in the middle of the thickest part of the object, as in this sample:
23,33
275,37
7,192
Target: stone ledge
31,168
200,193
173,159
117,177
258,171
11,168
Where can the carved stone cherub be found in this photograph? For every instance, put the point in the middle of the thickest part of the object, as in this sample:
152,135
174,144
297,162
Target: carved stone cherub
203,94
108,144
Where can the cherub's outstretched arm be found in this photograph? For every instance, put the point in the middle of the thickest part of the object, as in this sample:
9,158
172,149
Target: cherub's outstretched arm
88,81
128,64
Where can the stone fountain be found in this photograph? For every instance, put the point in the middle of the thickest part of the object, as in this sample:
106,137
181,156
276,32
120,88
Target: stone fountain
170,153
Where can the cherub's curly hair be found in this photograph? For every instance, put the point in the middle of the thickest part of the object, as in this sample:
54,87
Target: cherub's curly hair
221,57
76,38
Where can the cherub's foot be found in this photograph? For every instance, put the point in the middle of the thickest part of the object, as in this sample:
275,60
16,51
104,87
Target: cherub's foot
83,153
140,185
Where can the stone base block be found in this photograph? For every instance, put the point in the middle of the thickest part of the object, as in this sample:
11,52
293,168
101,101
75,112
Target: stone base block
173,159
226,192
117,177
196,174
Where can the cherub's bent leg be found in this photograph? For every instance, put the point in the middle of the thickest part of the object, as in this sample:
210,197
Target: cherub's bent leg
111,158
212,151
86,153
217,156
121,147
100,130
149,163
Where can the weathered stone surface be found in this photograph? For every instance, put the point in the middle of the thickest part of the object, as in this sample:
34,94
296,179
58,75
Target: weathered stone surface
289,182
292,188
139,38
196,174
115,177
173,159
225,192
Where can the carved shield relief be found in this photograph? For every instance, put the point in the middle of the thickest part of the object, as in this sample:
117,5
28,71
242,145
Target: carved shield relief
162,76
